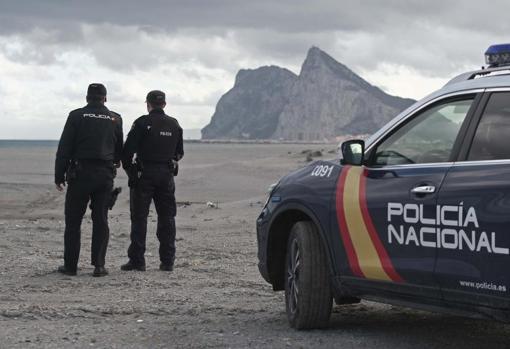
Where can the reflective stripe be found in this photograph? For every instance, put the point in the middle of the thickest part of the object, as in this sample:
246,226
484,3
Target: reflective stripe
344,231
365,251
381,251
367,255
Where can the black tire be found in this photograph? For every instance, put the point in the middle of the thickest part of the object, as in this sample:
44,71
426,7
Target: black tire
308,297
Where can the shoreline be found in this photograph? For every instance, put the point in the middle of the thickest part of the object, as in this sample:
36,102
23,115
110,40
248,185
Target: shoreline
191,141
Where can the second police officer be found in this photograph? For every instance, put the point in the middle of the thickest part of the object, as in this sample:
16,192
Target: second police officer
156,139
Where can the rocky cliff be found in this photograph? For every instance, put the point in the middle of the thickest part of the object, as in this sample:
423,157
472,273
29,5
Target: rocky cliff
326,100
251,109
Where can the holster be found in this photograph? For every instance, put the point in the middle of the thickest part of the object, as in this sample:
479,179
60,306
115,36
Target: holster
174,167
135,173
113,197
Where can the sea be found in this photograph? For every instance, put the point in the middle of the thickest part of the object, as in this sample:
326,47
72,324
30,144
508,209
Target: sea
21,143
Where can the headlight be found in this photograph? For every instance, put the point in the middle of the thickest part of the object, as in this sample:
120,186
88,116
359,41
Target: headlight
271,188
270,191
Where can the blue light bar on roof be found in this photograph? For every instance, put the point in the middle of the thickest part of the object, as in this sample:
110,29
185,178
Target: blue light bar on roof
498,55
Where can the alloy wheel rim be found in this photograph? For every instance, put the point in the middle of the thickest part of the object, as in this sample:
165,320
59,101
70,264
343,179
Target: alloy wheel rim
293,276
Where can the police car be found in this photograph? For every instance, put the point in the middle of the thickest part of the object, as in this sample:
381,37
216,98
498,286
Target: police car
417,215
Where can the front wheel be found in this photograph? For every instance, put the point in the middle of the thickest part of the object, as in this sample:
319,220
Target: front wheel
308,295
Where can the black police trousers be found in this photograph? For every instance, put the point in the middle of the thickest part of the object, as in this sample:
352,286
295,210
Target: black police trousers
94,182
156,183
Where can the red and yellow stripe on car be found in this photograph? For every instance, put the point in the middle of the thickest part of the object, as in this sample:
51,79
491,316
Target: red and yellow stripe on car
365,252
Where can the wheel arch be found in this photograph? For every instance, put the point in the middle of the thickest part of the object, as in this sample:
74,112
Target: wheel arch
279,230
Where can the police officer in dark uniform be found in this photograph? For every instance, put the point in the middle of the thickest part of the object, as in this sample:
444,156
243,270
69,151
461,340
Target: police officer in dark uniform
156,139
89,149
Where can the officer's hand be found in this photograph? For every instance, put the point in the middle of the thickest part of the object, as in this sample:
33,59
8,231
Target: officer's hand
60,186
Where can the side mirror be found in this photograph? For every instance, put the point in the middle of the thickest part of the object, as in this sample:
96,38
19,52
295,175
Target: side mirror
353,152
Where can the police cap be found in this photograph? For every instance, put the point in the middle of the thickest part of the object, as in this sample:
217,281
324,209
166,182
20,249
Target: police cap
96,90
155,97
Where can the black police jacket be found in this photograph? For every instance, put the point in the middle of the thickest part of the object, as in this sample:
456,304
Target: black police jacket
155,138
90,133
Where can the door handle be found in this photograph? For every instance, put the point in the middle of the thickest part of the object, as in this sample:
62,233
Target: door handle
424,189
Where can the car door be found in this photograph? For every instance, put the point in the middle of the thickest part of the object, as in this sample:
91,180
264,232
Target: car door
473,257
385,209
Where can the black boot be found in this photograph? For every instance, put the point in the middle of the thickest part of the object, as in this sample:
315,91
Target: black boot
132,266
66,271
166,267
100,271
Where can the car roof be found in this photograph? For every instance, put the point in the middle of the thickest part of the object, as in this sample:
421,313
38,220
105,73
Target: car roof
474,80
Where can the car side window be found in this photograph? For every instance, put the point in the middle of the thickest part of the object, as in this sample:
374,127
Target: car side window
428,137
491,138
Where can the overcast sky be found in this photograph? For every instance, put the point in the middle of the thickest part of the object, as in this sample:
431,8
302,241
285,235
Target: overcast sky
50,50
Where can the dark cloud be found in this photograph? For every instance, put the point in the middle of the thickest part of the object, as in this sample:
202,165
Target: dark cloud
282,15
129,34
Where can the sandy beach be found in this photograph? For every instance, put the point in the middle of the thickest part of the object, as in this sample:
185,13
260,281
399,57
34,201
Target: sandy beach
215,297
